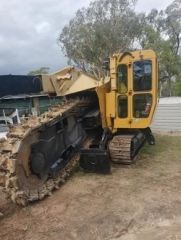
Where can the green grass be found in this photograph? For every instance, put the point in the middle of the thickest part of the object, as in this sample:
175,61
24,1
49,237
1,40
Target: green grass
163,144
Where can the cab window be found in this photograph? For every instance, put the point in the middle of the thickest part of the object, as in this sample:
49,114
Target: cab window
123,106
142,105
122,76
142,75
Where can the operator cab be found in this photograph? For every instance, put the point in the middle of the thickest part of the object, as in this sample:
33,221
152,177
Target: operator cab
133,89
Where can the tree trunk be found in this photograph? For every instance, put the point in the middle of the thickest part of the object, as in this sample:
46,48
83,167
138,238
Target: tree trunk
170,87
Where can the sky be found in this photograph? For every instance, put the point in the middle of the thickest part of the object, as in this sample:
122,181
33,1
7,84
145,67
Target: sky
29,31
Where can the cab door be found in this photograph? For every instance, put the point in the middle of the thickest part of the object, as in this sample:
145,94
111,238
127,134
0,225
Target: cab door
122,95
136,89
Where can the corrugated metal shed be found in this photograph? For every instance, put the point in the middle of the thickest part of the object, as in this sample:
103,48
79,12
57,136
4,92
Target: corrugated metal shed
167,117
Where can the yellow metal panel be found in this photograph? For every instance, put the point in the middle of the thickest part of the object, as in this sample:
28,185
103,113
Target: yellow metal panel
72,81
110,108
101,93
47,84
111,104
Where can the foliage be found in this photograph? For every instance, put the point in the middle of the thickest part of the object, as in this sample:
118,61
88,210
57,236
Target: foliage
161,32
176,88
109,26
173,25
106,26
42,70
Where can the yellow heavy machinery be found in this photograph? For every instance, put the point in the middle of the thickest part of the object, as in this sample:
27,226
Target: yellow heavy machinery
99,121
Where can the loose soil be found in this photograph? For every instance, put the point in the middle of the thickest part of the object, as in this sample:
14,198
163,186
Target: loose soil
138,202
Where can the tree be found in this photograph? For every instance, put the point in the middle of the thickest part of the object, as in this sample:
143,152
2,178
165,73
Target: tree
177,88
105,27
161,32
173,25
173,31
110,26
42,70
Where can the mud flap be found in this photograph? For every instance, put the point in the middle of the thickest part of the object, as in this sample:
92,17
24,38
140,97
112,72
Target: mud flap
95,160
